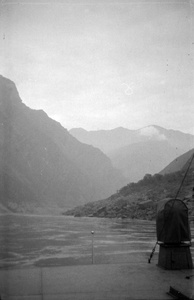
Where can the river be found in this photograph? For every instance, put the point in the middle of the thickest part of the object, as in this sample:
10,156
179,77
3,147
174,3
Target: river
28,241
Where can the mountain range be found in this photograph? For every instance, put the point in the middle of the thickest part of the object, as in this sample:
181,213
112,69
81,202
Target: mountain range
138,152
43,168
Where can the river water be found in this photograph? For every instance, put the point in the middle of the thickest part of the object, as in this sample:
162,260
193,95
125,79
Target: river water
28,241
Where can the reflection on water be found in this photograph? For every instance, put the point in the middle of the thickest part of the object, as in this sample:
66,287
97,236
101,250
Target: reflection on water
58,240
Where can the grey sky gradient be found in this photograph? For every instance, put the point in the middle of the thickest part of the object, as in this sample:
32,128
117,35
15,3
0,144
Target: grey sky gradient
102,64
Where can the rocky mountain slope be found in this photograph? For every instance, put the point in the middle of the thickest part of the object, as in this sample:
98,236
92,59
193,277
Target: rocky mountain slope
137,152
42,167
179,163
139,200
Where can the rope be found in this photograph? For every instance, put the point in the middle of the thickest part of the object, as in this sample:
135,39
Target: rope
152,253
153,250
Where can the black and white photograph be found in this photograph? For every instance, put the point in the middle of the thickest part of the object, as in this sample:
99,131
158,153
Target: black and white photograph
96,149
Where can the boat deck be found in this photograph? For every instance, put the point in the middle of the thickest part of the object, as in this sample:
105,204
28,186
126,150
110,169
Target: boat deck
131,280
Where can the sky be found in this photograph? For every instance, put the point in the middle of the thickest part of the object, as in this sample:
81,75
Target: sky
102,64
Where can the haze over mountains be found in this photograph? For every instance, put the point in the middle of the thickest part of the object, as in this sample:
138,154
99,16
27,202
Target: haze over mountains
42,167
138,152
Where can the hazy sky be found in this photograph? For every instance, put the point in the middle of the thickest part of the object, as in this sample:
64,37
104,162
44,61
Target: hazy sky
102,64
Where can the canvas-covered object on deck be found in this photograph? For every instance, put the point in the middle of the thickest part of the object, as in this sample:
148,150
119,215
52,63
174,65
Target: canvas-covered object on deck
172,222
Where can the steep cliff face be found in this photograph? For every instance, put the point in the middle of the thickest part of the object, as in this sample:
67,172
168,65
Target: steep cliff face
42,167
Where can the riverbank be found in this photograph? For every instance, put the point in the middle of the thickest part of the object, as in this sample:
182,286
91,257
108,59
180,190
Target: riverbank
120,208
139,200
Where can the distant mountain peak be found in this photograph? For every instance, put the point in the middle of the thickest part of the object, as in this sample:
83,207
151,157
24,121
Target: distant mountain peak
152,131
120,129
78,128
